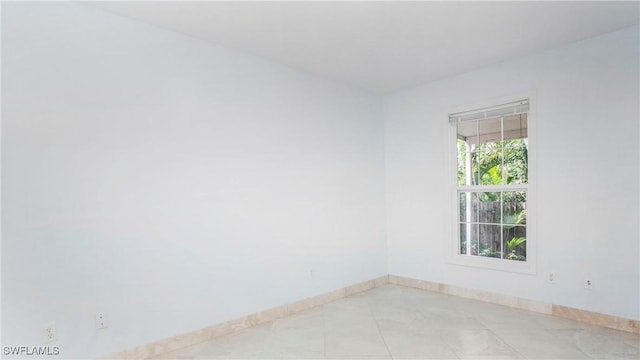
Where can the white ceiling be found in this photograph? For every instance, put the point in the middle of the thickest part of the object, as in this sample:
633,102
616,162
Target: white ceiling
385,46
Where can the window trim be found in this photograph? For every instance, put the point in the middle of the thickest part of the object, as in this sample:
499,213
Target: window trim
452,255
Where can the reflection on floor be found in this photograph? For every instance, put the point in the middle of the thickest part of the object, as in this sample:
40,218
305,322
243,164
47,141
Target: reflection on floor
395,322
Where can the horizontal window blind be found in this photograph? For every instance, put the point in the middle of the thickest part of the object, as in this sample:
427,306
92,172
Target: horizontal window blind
513,108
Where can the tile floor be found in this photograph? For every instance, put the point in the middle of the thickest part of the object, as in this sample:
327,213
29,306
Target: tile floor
395,322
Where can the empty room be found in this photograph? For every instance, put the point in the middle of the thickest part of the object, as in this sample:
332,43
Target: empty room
320,180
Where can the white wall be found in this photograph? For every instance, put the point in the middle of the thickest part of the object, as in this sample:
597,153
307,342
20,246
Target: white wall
174,184
171,183
586,99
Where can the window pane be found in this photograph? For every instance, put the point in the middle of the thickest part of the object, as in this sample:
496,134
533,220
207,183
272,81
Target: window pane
471,205
467,131
490,152
515,242
490,130
490,240
516,165
464,176
515,127
468,239
487,206
476,205
472,236
489,163
516,169
514,209
475,168
467,134
462,205
463,238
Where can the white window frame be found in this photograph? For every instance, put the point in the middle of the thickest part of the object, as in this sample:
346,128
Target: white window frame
452,255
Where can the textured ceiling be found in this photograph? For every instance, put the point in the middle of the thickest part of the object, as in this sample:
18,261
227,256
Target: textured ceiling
385,46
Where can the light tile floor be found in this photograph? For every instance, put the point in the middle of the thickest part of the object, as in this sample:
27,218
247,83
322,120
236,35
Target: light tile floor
395,322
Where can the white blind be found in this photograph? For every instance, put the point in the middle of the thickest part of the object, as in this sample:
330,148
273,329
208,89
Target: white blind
514,108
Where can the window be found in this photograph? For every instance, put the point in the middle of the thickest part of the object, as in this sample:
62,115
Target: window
492,183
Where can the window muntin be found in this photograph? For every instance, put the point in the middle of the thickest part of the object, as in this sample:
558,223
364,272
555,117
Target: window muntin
492,181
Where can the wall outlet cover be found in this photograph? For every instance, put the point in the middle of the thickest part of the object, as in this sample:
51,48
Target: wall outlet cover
101,321
588,283
49,332
551,278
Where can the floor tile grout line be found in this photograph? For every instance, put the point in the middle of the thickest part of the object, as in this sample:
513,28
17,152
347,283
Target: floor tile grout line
487,328
505,342
379,330
573,337
324,333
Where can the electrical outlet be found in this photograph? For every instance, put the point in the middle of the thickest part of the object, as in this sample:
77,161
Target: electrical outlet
49,332
101,321
588,283
551,278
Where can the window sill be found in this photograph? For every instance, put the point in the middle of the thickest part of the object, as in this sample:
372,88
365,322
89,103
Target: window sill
522,267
